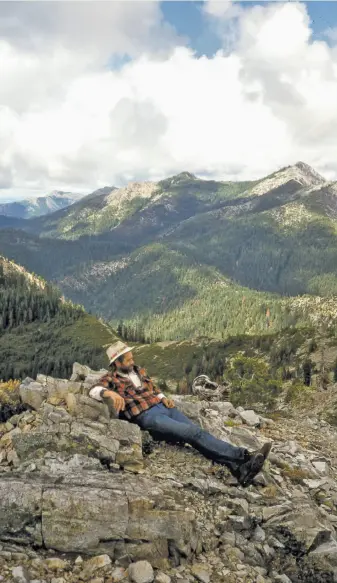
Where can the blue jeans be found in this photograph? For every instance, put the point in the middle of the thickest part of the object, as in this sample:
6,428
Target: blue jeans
172,425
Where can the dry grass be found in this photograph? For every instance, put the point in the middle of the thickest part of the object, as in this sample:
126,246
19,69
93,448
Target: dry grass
232,423
9,391
270,491
295,475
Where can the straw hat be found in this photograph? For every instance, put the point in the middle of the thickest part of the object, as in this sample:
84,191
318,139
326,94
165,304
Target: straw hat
116,350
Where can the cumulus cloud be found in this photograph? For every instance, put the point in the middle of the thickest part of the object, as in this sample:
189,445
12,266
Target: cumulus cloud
92,27
68,122
331,34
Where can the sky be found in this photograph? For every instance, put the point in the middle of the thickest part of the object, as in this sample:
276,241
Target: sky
101,93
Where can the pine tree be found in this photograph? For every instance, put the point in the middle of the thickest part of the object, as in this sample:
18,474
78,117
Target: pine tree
307,373
335,371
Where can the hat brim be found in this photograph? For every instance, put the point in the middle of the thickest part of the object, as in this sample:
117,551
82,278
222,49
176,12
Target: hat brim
127,349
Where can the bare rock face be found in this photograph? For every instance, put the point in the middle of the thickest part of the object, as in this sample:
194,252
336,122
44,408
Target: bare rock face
33,394
94,513
81,501
62,495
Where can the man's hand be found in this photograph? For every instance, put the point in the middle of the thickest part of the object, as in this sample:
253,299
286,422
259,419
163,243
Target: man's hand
117,400
169,403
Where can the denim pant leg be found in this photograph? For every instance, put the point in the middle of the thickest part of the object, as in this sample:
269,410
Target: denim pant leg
157,421
177,415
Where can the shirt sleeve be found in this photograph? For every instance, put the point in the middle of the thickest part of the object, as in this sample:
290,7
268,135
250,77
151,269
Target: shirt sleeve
97,392
103,384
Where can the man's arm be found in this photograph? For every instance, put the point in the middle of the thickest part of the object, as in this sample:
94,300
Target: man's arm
106,389
104,385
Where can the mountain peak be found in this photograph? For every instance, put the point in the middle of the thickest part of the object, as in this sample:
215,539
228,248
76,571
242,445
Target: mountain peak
182,176
309,172
177,179
300,173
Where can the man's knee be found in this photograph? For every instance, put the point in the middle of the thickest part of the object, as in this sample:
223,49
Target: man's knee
195,432
152,424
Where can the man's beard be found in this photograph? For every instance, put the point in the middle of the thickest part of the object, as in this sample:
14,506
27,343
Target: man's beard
126,369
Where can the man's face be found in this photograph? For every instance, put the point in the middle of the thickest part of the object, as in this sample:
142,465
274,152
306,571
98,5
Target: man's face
127,364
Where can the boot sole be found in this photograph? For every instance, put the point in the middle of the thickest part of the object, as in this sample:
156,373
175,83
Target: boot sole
255,467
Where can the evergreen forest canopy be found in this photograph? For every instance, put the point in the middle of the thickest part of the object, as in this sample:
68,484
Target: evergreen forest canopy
40,332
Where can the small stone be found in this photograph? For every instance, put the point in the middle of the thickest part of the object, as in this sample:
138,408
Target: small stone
270,512
141,572
12,458
250,418
97,563
282,579
20,575
259,535
313,484
239,523
29,417
118,574
19,556
55,564
201,573
14,420
321,467
240,505
228,538
162,578
79,560
269,552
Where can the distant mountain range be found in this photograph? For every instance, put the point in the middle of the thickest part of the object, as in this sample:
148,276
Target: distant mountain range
186,257
38,206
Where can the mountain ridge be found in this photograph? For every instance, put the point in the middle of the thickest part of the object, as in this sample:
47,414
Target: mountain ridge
38,206
193,257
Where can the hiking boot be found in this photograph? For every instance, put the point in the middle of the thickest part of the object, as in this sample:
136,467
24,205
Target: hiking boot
246,472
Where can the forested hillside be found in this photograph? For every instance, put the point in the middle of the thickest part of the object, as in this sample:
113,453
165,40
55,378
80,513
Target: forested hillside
185,257
42,332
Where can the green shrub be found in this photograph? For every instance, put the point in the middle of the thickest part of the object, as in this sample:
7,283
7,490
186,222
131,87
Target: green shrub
297,392
252,383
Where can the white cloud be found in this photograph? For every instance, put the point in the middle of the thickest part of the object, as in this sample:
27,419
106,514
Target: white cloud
68,122
222,9
90,27
331,34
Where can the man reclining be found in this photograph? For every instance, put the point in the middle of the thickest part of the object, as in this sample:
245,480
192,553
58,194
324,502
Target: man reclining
135,397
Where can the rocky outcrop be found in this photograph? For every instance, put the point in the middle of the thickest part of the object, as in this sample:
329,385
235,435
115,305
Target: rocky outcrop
71,479
92,512
81,501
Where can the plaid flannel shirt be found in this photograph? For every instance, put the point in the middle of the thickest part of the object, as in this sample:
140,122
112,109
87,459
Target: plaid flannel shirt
136,400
